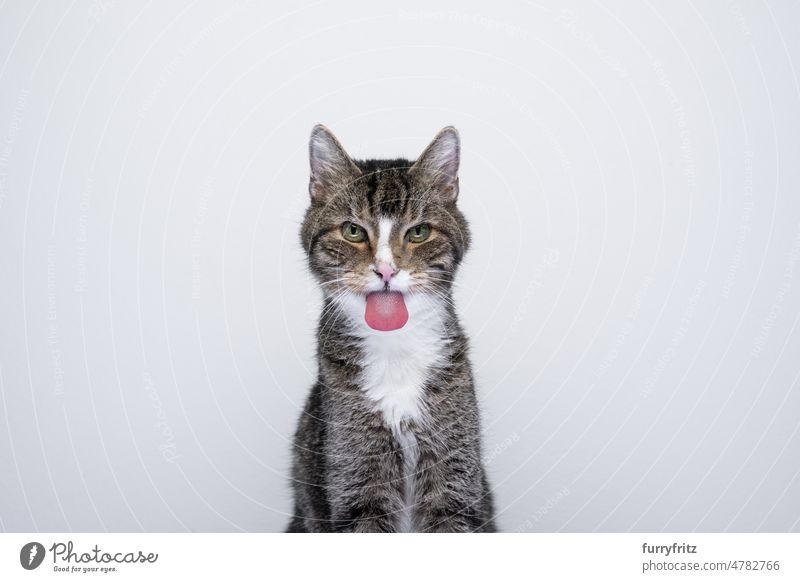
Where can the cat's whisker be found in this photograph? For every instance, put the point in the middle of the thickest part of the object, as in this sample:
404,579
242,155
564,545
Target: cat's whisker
447,280
335,281
440,282
438,288
332,316
332,302
333,305
441,295
447,330
323,335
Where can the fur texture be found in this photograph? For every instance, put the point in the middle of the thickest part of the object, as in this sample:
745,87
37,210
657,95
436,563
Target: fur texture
389,439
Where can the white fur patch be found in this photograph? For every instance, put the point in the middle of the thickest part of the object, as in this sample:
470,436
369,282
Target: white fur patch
395,367
383,252
408,443
397,363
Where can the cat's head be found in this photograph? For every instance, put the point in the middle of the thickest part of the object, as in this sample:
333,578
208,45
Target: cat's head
384,237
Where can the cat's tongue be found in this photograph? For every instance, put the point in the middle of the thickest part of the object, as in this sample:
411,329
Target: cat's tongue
386,310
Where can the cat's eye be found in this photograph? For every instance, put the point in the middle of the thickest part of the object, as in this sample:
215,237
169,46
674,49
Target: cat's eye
419,233
353,233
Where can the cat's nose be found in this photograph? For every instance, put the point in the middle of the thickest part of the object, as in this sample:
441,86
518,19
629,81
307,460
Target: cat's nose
385,271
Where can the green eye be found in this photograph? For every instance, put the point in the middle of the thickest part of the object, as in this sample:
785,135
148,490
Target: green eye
419,233
353,233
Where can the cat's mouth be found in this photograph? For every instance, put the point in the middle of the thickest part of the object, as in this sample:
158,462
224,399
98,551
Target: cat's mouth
386,310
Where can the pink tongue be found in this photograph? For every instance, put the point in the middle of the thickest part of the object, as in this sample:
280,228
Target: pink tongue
386,310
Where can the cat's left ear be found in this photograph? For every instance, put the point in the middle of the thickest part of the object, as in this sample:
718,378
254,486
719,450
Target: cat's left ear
437,167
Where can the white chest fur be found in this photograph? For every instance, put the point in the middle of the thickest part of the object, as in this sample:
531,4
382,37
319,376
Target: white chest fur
396,364
394,372
395,368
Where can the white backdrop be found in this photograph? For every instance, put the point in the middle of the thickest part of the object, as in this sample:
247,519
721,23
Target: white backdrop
630,172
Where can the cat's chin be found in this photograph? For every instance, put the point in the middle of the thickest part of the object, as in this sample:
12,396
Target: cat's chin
386,310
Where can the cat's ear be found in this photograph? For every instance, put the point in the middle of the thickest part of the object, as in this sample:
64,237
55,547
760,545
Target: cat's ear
437,167
331,167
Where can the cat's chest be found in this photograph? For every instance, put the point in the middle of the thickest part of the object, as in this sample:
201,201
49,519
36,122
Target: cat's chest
394,374
395,370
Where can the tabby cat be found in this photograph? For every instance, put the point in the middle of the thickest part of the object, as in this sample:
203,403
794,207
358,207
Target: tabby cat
389,440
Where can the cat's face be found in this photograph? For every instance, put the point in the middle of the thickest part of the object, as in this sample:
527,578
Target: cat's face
384,230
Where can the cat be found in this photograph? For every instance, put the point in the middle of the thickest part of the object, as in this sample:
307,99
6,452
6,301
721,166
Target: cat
389,440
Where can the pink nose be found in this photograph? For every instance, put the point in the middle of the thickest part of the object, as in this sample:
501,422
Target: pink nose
385,271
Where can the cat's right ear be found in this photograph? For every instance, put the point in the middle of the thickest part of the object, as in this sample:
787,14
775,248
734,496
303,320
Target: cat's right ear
331,167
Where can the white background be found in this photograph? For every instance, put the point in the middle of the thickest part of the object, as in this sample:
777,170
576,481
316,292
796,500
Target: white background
631,175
